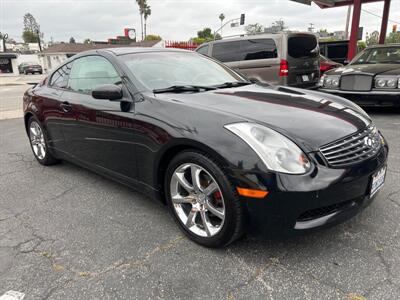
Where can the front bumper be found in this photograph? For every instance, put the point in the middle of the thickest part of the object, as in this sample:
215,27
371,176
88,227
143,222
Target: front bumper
372,98
298,204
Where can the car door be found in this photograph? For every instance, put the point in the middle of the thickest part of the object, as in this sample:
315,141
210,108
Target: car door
52,109
101,134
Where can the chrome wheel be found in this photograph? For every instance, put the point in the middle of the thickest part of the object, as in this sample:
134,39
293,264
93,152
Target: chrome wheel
197,200
37,140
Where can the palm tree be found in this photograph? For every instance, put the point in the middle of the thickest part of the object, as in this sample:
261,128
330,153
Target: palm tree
141,4
221,17
146,14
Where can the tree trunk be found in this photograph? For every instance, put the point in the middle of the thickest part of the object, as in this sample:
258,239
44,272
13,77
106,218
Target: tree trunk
145,28
141,24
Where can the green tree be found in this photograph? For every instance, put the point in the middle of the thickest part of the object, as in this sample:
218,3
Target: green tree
152,37
372,39
142,5
146,14
361,45
393,37
254,28
31,30
72,40
222,18
87,41
205,35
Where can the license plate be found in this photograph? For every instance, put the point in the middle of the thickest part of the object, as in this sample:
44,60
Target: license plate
305,77
378,180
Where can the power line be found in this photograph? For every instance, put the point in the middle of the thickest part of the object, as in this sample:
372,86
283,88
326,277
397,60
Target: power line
376,15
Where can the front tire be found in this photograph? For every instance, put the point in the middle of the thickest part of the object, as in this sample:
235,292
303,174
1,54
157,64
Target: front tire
39,144
202,200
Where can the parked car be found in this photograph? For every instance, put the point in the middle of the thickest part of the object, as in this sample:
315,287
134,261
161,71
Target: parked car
282,58
227,156
30,68
325,64
372,78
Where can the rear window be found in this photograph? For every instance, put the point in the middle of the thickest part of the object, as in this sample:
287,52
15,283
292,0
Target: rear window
258,49
227,51
302,46
245,50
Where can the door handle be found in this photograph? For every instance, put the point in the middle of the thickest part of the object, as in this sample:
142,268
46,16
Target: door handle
65,106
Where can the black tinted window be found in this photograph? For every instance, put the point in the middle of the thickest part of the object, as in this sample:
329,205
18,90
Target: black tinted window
227,51
303,46
337,51
203,50
60,77
258,49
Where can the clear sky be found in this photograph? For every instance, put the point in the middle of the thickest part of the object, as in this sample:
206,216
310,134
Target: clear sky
172,19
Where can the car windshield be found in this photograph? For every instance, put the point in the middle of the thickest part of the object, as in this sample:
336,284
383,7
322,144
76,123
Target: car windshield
161,70
384,55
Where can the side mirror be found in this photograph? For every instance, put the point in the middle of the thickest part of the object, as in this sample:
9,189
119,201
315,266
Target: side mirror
110,92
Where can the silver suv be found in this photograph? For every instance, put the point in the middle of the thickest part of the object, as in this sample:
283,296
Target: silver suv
280,58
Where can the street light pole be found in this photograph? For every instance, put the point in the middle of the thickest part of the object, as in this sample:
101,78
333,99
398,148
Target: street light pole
222,26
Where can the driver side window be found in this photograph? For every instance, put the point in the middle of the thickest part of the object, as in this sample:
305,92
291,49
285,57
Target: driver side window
89,72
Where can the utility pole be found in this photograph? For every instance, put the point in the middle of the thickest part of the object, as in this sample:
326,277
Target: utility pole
346,31
38,36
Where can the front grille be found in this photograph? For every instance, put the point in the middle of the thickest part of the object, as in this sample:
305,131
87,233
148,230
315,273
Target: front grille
356,82
352,149
324,211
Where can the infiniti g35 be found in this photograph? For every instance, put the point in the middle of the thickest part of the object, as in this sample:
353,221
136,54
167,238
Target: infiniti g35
227,156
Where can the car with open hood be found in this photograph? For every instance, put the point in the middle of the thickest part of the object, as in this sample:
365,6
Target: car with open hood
226,156
372,78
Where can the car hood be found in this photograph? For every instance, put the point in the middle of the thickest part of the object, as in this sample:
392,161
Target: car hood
373,69
310,118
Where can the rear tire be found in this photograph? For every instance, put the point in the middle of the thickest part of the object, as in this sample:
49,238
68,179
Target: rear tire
211,214
39,144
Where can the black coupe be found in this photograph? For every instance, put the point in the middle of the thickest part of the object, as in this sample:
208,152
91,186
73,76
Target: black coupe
372,78
226,155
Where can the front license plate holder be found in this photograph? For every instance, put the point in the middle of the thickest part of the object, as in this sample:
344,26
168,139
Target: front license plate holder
377,181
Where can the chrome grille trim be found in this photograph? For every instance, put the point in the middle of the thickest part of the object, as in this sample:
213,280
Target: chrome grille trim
352,149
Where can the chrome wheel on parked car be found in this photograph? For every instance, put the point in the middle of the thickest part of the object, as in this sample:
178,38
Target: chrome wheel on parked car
37,140
197,200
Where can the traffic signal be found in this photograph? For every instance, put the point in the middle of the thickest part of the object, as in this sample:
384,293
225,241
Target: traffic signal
242,19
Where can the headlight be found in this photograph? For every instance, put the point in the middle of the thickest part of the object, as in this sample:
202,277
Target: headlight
387,82
330,81
276,151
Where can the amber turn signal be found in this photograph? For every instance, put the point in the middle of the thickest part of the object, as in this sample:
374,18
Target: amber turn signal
252,193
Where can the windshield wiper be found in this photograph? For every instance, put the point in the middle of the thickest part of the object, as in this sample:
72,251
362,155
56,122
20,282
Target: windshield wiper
232,84
183,88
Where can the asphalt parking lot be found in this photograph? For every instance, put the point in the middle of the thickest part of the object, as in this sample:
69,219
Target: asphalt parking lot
66,233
